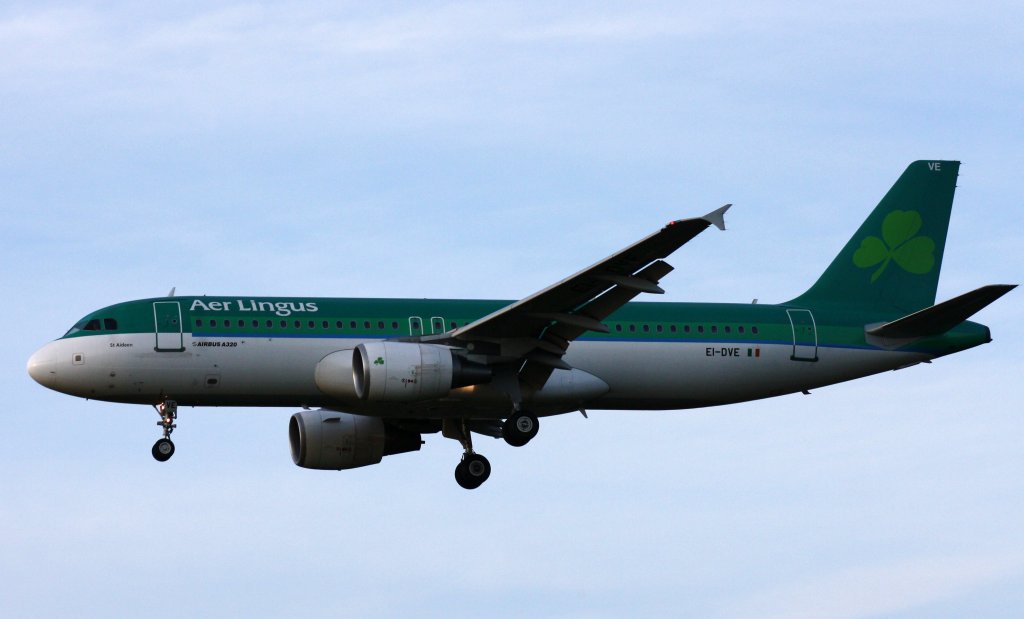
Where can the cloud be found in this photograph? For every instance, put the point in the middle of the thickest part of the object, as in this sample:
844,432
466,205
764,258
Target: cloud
879,589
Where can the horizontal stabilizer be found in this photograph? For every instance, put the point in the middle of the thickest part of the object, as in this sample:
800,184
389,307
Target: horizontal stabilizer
938,319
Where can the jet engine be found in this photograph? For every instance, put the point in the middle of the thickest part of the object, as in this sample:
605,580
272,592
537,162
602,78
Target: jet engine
328,440
396,372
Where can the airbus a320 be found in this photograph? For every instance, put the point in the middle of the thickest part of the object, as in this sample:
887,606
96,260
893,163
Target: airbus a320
372,376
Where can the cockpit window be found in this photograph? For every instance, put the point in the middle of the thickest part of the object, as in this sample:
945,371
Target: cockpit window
85,324
93,324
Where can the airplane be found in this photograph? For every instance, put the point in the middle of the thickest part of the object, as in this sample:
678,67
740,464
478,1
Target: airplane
372,376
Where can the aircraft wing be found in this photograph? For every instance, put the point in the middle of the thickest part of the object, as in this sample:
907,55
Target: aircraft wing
539,328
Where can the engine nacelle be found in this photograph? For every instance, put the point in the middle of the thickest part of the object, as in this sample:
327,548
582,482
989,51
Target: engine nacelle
333,375
396,372
333,441
401,372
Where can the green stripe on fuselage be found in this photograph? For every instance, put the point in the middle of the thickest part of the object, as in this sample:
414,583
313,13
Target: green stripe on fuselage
390,318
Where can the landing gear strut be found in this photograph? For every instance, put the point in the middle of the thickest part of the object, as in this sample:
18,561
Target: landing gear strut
163,449
519,429
474,469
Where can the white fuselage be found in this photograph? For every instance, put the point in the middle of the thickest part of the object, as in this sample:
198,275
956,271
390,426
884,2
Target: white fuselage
250,371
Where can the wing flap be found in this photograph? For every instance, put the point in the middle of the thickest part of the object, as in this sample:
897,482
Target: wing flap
533,334
535,372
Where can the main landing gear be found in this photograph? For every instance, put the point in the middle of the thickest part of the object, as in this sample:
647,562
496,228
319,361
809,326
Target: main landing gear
519,429
474,469
163,449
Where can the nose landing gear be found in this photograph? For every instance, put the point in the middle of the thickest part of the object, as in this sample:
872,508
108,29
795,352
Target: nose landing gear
163,449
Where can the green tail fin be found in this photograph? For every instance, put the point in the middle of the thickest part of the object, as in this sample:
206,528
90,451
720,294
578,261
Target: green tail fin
893,260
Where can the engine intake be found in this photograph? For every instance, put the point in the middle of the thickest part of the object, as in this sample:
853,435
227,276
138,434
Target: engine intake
328,440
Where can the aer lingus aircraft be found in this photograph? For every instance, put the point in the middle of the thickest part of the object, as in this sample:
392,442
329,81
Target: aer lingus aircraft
381,372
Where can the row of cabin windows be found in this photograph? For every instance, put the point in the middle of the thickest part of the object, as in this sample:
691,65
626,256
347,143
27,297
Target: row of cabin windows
310,324
728,329
417,325
110,324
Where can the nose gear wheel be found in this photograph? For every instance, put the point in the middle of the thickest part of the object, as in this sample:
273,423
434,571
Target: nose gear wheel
163,449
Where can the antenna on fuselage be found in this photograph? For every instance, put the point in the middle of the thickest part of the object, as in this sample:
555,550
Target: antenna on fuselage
171,293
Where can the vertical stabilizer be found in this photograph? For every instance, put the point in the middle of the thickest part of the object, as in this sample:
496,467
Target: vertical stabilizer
893,260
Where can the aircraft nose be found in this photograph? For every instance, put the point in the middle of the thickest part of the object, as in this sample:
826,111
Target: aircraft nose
42,367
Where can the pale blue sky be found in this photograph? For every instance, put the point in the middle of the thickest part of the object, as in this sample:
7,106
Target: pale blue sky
487,149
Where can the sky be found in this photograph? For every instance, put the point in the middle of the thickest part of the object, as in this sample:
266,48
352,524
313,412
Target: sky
487,150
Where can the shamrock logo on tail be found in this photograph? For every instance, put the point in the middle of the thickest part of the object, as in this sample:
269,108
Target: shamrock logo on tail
914,254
